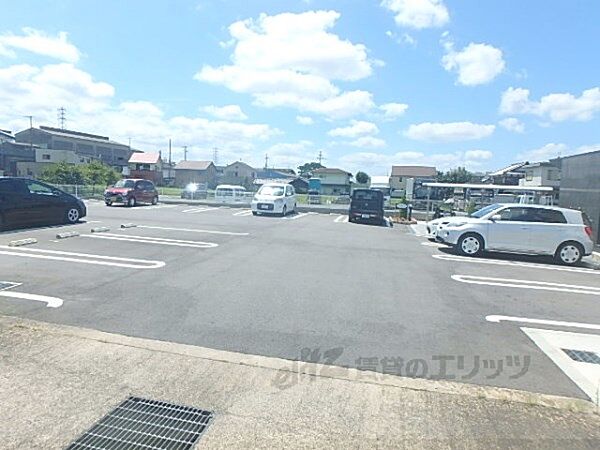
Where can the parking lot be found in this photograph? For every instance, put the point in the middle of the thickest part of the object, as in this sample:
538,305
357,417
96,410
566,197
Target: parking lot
313,287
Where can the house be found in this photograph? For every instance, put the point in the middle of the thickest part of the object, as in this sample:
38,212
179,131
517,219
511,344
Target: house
148,166
333,181
238,173
44,158
6,136
580,186
541,174
407,180
507,176
85,144
13,153
203,172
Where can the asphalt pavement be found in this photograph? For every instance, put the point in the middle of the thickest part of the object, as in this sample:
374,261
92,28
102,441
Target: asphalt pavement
312,287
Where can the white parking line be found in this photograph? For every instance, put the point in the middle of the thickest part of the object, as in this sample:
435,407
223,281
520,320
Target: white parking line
555,323
433,244
192,230
243,213
341,219
515,263
151,240
298,216
83,258
555,345
198,210
51,302
527,284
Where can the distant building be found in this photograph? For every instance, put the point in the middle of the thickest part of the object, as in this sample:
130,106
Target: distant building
333,181
196,172
45,158
147,166
407,180
13,153
508,176
238,173
580,186
94,146
542,174
6,136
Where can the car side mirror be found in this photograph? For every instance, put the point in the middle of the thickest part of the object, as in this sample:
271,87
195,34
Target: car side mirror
56,192
496,217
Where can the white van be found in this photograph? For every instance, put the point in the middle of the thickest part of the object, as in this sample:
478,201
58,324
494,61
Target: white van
228,193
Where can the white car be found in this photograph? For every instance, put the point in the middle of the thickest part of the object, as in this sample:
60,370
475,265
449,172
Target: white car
435,224
563,233
274,198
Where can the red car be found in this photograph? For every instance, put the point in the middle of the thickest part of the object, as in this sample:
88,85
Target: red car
131,192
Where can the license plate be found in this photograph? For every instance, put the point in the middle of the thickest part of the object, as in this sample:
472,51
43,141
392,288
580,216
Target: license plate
264,207
365,216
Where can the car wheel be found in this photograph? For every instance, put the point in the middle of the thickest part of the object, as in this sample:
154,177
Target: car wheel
284,211
72,215
131,202
254,213
470,244
108,203
155,200
351,219
569,253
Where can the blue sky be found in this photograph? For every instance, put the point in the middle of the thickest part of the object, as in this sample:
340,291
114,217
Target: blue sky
368,83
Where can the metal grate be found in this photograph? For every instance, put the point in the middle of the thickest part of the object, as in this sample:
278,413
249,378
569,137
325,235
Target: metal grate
582,356
141,424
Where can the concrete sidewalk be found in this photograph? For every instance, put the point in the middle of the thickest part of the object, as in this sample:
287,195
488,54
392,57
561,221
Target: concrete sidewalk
56,381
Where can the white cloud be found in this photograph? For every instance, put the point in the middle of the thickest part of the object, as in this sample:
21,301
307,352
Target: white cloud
381,163
27,89
227,112
368,142
418,13
554,150
392,111
556,107
449,132
304,120
290,60
38,42
475,64
403,39
291,154
512,124
357,128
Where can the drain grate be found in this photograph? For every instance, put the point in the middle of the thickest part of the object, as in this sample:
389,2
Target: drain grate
582,356
143,424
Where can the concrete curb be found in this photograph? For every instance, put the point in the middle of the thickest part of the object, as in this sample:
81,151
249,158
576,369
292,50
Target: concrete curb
22,242
128,225
67,234
99,229
311,369
332,209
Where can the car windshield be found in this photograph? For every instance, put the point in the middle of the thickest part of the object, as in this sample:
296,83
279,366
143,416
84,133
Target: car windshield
366,195
485,210
125,184
273,191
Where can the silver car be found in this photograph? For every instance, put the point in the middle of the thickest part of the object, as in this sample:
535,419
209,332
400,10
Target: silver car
563,233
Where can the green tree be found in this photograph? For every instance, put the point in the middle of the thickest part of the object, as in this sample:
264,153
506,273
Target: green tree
458,175
63,173
306,169
98,173
361,177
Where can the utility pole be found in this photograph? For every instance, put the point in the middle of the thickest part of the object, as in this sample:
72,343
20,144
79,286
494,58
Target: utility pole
170,162
320,158
185,152
62,117
215,156
266,161
30,132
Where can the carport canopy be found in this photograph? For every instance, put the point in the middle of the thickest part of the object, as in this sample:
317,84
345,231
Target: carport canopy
490,187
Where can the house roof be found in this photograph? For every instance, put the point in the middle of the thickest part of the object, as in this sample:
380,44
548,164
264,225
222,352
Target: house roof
413,171
145,158
331,171
193,165
6,133
239,163
273,174
75,135
507,169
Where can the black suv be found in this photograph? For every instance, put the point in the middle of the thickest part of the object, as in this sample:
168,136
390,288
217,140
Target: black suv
366,205
25,202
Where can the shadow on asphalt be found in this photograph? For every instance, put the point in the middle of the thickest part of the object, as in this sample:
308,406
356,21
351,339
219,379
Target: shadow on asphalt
37,227
534,259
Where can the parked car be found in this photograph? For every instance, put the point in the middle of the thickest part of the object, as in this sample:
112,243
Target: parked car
366,205
227,193
25,202
131,191
563,233
274,198
194,191
433,225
